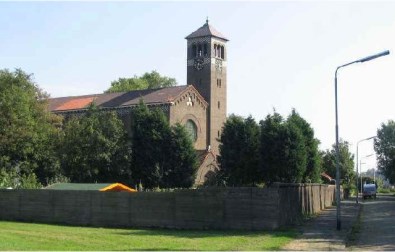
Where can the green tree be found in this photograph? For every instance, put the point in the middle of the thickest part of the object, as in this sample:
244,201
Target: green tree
283,153
239,152
15,180
28,132
146,81
151,132
182,163
384,145
95,148
313,168
346,162
163,156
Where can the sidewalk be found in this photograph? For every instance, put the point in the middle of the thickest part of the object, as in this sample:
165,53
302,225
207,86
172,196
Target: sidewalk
320,233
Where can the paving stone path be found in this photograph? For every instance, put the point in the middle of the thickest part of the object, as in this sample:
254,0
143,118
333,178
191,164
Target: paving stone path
377,230
320,234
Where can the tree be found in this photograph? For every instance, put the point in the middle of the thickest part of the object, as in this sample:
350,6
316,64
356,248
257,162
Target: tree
96,149
146,81
28,132
384,145
283,153
15,180
182,163
313,168
346,163
239,152
163,156
150,134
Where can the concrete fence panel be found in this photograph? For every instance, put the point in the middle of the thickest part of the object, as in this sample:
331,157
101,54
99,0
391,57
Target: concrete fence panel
208,208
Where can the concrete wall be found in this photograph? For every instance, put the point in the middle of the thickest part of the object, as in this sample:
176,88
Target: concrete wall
210,208
299,200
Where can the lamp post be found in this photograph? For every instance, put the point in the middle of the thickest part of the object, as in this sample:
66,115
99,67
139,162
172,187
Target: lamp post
357,162
338,221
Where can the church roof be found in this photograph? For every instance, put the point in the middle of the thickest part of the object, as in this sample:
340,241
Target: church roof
121,99
205,31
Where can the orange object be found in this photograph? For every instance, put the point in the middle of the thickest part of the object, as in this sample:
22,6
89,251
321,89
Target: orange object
117,187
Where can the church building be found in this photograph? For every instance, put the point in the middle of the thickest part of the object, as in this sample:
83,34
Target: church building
200,105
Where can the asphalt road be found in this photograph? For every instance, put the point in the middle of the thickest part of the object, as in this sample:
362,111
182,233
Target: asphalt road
377,224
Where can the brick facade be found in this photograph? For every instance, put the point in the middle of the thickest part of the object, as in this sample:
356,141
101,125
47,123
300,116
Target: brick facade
191,106
209,78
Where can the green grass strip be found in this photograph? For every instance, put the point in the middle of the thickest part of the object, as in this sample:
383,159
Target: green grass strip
28,236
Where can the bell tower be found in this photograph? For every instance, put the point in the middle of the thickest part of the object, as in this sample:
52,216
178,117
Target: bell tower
206,71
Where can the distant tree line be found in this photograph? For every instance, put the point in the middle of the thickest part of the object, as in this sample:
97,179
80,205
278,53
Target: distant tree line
146,81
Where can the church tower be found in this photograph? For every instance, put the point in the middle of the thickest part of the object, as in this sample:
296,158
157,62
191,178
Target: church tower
206,71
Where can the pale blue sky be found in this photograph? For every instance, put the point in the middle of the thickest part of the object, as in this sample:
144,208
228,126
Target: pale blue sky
280,55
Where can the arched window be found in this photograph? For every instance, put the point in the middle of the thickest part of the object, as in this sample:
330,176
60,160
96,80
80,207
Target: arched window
219,104
222,52
215,50
191,128
193,51
219,51
205,49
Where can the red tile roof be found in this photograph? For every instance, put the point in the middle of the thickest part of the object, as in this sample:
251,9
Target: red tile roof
77,103
122,99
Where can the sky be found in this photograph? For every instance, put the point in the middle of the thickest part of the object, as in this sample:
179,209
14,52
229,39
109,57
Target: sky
281,55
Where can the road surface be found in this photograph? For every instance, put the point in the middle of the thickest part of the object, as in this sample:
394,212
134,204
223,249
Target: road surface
377,224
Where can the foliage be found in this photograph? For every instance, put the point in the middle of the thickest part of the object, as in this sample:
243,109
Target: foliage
15,180
313,168
283,152
276,151
28,132
150,134
384,145
386,190
162,155
239,152
95,148
182,162
146,81
346,162
29,236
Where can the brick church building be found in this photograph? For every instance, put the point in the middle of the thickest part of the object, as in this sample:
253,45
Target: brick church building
200,105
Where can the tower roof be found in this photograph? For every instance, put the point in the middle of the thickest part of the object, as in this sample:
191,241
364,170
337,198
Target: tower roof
206,31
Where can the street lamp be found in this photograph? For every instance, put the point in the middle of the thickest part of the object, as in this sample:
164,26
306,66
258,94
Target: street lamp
338,221
357,162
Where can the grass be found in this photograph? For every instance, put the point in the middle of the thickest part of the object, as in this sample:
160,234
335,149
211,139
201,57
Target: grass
386,190
353,234
28,236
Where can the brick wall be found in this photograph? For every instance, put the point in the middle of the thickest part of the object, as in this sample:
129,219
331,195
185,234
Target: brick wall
180,112
209,208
